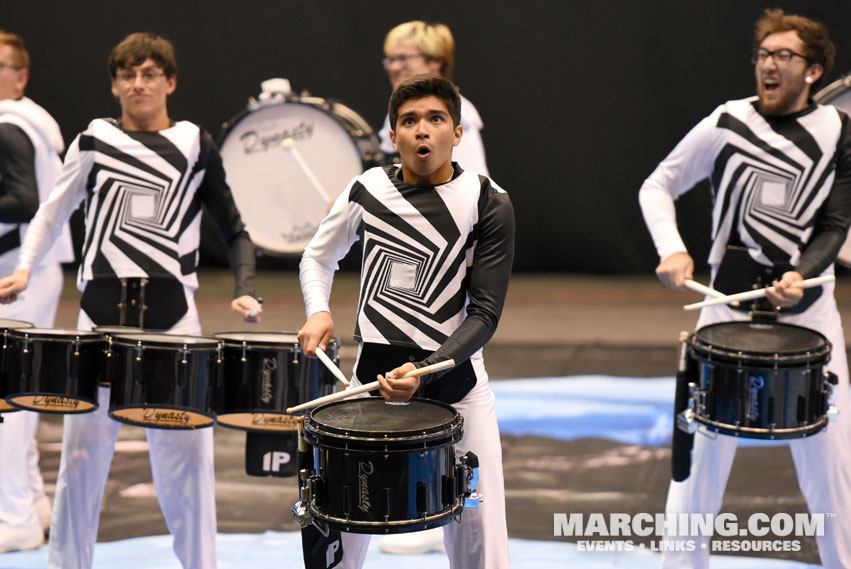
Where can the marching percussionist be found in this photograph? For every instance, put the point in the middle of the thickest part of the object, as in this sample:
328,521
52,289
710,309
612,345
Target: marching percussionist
144,179
30,144
437,251
780,169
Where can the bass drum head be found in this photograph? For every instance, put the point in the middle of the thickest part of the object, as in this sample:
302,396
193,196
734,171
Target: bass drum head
838,94
284,192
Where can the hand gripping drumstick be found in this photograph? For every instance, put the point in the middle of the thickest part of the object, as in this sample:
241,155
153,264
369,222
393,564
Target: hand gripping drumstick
368,387
759,293
703,289
323,357
256,308
289,144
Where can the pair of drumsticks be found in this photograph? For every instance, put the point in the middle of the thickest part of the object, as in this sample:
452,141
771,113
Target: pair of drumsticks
323,357
734,299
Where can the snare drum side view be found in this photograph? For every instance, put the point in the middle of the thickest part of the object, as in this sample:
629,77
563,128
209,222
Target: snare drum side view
383,468
164,381
263,373
109,332
54,370
759,380
7,324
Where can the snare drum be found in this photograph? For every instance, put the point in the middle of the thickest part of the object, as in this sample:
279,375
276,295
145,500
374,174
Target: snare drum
7,324
283,193
164,381
838,94
54,370
384,467
761,380
263,374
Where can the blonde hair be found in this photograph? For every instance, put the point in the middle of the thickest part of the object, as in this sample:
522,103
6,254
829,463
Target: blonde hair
434,40
20,55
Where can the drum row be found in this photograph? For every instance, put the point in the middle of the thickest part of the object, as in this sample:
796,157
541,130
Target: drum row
244,380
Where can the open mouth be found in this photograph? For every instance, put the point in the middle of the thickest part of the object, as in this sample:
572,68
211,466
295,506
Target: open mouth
770,85
423,151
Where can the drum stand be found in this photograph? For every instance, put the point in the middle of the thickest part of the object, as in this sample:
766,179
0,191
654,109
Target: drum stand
133,307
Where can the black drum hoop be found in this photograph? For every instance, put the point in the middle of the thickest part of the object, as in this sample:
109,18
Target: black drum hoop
250,344
762,433
149,341
389,526
706,352
57,335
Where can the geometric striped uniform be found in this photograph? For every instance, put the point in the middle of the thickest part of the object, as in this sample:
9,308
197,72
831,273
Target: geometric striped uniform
143,193
769,176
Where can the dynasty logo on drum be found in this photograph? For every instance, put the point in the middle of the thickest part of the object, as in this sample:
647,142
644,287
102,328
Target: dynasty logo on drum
254,141
277,422
165,416
365,469
269,365
756,383
54,402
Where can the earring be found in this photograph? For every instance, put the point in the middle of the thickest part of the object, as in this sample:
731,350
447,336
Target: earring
808,79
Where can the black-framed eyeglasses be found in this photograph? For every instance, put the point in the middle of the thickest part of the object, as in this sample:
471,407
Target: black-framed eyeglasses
780,55
388,61
148,75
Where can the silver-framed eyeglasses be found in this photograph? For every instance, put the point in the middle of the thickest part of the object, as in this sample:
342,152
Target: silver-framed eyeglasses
780,55
403,59
148,76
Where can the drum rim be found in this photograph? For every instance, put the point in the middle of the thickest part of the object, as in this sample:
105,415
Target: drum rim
7,328
702,347
114,330
134,340
390,526
787,433
57,335
333,343
447,429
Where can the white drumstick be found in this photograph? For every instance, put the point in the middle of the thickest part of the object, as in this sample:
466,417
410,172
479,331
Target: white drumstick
256,308
289,144
367,387
323,357
759,293
703,289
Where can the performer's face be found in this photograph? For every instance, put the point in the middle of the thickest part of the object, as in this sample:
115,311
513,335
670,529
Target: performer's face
781,86
12,80
424,136
143,91
406,60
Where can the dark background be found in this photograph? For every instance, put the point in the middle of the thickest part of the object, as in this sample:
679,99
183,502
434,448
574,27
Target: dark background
580,99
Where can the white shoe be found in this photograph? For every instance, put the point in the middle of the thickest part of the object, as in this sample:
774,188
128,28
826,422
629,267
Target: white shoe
44,510
27,535
416,543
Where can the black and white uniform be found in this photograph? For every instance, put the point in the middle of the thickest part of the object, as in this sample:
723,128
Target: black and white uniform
30,143
782,190
470,152
435,272
143,193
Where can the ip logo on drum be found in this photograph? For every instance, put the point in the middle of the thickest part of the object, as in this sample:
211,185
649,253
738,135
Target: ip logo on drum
274,460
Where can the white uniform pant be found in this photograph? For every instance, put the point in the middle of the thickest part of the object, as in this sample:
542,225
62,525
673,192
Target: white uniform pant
21,485
182,468
822,461
480,541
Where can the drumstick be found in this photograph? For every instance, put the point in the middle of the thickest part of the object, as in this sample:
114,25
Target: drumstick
254,309
289,144
367,387
320,353
708,291
759,293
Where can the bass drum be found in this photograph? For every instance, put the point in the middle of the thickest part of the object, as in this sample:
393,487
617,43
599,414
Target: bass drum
838,94
287,158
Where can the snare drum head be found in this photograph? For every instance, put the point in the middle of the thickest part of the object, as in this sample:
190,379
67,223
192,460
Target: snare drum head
9,324
838,94
283,193
165,340
56,334
115,330
258,337
371,415
743,339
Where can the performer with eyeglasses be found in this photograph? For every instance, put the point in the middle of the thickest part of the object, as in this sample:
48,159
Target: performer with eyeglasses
30,144
780,168
415,48
144,179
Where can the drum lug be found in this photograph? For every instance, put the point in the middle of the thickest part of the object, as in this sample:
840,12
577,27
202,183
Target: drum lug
686,422
243,359
26,344
138,349
300,510
296,348
183,353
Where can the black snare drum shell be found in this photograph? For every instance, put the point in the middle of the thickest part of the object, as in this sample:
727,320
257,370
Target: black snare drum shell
7,324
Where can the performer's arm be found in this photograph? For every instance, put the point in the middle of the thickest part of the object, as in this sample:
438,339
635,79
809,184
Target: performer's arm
18,185
489,276
834,218
218,200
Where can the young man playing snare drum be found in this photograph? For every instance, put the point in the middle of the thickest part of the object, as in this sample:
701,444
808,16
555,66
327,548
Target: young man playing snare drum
144,179
438,245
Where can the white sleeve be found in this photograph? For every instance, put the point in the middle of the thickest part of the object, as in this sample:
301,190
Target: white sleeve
688,163
335,236
53,214
470,152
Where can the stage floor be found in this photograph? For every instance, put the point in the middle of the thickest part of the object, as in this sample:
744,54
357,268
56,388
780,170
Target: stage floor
573,442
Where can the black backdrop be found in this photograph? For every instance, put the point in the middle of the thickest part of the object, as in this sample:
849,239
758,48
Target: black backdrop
580,98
